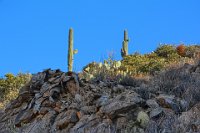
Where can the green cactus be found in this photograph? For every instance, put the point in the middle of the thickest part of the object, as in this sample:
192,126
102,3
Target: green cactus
71,51
124,50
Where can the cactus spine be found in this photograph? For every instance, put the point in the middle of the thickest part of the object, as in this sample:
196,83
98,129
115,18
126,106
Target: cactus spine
124,50
71,51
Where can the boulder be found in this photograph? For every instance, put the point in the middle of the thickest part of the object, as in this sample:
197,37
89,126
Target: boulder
121,123
167,101
122,103
143,119
65,118
156,112
152,103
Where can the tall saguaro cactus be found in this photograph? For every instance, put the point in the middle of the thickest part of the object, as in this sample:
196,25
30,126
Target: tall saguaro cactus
71,50
124,50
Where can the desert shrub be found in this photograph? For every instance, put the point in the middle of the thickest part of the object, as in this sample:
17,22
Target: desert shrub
181,50
10,85
136,64
153,65
166,81
191,50
165,50
108,70
179,82
132,65
164,57
133,81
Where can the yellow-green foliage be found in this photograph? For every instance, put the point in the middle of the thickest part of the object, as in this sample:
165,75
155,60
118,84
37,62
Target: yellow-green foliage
192,50
106,70
10,85
161,58
135,64
170,51
138,63
165,50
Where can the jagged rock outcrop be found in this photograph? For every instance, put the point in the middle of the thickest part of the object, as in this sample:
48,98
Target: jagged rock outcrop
58,102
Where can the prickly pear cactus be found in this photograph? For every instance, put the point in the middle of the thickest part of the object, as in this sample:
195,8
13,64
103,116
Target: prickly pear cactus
124,50
71,51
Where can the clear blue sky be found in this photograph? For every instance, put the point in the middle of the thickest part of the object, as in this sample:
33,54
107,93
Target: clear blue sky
34,33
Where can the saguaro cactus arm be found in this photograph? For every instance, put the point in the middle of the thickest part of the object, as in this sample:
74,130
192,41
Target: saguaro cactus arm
71,51
124,50
75,51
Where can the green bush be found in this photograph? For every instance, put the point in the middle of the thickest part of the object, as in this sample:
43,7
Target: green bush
165,50
10,85
165,56
107,70
191,50
136,64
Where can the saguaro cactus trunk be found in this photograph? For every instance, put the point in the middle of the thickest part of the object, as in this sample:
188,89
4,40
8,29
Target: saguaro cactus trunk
71,51
124,50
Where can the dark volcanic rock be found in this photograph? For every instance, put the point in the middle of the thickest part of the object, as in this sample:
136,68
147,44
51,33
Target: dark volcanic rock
167,101
53,102
152,103
156,112
122,103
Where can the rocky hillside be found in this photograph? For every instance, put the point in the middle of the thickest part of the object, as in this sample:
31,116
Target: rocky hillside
58,102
